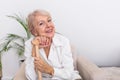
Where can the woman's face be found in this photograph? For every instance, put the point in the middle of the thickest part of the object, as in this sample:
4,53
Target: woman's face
44,26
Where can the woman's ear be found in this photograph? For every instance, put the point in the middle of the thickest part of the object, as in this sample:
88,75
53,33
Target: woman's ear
34,32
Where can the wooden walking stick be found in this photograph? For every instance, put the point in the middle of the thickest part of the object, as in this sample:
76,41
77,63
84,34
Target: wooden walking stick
37,55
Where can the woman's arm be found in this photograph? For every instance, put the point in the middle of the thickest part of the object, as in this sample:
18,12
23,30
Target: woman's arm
29,62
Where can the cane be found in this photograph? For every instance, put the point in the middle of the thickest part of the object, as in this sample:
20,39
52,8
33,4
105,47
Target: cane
37,55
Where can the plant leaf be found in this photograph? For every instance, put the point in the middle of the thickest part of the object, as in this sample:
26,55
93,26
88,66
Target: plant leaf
23,24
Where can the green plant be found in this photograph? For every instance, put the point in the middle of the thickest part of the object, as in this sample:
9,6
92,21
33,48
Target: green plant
13,40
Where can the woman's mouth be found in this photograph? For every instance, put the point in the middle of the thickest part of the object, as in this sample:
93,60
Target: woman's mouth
49,31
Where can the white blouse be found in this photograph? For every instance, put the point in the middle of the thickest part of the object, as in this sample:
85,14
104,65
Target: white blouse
60,58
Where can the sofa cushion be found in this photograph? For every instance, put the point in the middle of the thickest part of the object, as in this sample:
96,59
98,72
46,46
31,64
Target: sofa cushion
113,73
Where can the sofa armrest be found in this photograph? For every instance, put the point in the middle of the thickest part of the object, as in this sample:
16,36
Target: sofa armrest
88,70
20,75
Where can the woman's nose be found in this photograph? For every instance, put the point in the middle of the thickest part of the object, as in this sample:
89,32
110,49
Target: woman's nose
47,25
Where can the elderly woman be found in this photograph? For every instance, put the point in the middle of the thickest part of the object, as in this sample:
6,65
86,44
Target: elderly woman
55,60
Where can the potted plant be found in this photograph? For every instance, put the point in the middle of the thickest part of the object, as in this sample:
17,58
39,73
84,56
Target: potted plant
13,40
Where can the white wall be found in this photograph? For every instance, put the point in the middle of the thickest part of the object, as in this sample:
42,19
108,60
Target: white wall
93,26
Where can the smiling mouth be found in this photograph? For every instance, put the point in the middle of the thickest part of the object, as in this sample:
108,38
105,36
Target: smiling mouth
49,31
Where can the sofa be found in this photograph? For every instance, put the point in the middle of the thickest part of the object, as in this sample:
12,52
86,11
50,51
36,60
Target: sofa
90,71
87,70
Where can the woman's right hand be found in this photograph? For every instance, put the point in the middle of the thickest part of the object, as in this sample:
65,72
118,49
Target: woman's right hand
41,41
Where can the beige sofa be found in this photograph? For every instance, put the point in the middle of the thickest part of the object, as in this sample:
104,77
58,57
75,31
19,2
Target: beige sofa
87,69
90,71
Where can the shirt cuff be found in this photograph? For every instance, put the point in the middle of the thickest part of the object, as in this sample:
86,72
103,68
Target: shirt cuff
62,73
57,72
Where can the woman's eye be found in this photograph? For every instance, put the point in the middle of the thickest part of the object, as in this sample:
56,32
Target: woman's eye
41,24
49,20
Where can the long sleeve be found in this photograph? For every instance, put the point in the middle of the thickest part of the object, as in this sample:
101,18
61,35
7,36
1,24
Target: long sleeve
29,68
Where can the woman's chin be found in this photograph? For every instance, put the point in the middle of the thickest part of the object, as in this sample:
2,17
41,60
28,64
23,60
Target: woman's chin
50,35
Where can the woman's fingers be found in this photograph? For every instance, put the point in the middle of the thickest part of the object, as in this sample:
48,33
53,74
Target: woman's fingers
36,41
39,60
41,41
47,41
39,64
44,41
42,66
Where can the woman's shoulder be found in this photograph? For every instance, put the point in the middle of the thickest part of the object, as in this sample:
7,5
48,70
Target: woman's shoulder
60,39
29,40
61,36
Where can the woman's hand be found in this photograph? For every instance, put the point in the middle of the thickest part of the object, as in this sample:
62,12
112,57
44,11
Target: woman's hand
41,41
42,66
